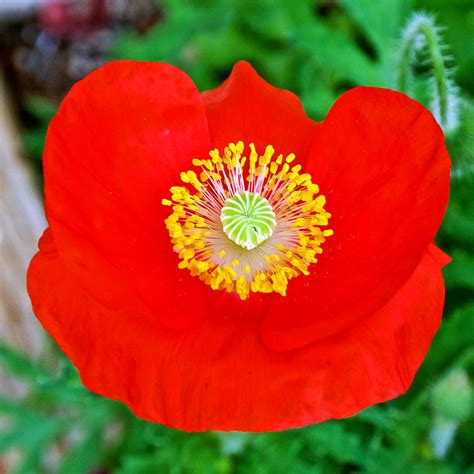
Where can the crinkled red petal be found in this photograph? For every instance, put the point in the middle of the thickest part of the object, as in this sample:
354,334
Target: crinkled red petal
121,137
219,375
380,159
246,107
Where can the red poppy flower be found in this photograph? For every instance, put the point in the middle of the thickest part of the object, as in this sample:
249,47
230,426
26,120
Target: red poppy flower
220,261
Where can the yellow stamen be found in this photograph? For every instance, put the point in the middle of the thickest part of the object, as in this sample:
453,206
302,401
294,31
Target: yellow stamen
205,250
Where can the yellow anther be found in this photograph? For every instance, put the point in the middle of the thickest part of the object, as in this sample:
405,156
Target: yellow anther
229,271
205,251
242,288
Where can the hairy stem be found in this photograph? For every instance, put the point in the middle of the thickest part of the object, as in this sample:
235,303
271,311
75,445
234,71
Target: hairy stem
422,34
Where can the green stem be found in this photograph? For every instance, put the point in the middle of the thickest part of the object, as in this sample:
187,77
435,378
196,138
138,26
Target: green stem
404,64
439,69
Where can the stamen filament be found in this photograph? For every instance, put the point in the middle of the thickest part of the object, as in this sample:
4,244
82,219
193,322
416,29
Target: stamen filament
247,224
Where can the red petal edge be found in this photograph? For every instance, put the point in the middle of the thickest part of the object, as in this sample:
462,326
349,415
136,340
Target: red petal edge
119,141
246,107
219,375
380,159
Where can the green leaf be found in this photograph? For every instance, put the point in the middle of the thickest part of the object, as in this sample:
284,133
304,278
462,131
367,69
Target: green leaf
454,335
332,439
381,24
460,272
85,455
41,108
20,365
28,432
334,51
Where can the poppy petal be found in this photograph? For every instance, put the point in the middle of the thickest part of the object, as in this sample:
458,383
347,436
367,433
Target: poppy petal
246,107
119,141
219,375
380,159
442,258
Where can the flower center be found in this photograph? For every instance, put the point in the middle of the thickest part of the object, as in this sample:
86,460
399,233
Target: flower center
248,219
247,223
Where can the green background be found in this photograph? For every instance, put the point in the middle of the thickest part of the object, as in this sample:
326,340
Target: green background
318,50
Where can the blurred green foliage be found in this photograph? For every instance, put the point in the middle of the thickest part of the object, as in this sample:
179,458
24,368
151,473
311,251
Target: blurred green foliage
318,50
